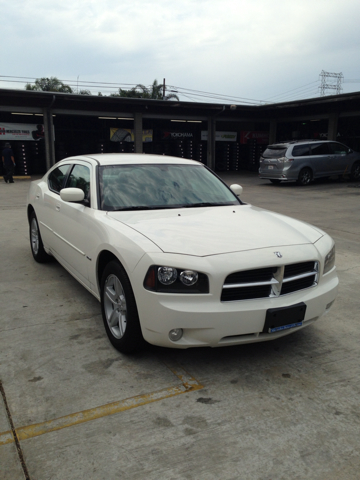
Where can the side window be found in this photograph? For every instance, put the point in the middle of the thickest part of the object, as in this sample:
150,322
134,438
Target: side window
338,148
57,177
300,151
320,149
80,178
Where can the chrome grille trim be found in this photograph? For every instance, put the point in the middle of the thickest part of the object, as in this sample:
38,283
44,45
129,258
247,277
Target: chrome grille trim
279,284
252,284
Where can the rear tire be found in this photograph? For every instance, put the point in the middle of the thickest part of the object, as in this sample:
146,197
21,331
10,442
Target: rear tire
305,177
36,244
355,171
119,311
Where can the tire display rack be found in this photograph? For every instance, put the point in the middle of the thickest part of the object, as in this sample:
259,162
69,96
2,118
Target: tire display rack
29,158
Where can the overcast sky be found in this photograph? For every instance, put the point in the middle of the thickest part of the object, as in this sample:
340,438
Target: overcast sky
250,50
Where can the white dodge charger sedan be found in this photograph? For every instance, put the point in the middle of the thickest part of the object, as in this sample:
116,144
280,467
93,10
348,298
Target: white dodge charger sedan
173,254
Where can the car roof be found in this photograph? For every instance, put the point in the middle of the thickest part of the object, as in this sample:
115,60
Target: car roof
131,158
299,142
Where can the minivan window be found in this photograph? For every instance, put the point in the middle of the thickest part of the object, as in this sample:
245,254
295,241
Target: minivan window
338,148
274,152
300,150
319,149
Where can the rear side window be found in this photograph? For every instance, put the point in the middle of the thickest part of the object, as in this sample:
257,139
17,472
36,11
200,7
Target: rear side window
57,177
274,152
320,149
300,151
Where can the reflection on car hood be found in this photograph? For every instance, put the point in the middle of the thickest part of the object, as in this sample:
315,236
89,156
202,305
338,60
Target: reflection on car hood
216,230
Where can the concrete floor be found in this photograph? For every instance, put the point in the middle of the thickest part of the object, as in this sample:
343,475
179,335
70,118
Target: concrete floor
281,410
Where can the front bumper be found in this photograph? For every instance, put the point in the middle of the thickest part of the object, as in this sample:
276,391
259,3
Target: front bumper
206,321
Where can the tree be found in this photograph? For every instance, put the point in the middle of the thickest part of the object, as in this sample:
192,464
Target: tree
51,84
155,92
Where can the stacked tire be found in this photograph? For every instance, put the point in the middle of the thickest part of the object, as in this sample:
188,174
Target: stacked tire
222,156
234,157
22,159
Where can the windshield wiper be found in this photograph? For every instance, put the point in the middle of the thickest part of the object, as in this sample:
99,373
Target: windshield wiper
205,204
125,209
144,207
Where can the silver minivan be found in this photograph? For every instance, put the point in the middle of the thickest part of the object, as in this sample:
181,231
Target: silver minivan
304,160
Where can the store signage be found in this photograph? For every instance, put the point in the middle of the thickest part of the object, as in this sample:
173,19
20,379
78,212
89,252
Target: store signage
21,131
128,135
176,135
220,136
261,137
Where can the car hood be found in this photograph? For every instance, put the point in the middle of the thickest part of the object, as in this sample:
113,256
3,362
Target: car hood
217,230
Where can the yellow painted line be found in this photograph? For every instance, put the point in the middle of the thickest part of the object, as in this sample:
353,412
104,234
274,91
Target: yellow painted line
6,437
188,384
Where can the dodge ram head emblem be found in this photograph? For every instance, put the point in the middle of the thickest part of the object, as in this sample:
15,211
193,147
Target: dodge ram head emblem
278,254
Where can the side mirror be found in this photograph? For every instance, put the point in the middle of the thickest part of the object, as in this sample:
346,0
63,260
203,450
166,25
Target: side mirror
237,189
72,195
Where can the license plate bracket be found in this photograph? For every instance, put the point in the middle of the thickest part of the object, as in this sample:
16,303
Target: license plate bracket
283,318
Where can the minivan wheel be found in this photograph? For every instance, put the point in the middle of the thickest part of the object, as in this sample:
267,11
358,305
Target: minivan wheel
355,171
305,177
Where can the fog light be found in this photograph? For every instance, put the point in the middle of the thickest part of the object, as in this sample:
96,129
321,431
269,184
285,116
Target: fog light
175,334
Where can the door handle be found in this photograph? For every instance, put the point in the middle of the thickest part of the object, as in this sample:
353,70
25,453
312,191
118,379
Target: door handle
57,207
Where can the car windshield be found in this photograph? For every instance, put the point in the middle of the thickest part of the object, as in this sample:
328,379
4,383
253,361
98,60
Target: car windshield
141,187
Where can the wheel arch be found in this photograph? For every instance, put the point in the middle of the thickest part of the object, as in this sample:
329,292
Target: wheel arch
104,257
30,210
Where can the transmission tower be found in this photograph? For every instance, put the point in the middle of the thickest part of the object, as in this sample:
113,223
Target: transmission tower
334,85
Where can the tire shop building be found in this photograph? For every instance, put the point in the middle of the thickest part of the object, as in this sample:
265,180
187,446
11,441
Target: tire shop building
45,127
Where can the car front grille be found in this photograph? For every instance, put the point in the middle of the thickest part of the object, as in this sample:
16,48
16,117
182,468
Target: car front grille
270,282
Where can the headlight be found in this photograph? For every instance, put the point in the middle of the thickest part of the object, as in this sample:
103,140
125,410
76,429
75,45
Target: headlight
167,275
329,260
175,280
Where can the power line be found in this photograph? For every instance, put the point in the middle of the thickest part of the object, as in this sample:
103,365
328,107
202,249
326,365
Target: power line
292,90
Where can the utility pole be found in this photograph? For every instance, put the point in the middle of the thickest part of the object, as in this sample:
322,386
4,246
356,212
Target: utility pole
330,86
164,89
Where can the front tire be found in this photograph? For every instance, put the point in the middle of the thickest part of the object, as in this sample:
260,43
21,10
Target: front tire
36,244
355,171
119,311
305,177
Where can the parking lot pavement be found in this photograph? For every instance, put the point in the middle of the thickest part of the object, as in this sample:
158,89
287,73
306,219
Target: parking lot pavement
81,410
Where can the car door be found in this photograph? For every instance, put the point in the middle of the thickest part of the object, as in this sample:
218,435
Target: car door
341,159
321,159
45,207
72,225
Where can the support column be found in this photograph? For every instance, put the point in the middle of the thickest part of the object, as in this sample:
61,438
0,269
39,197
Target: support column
333,126
49,138
272,131
211,143
138,132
